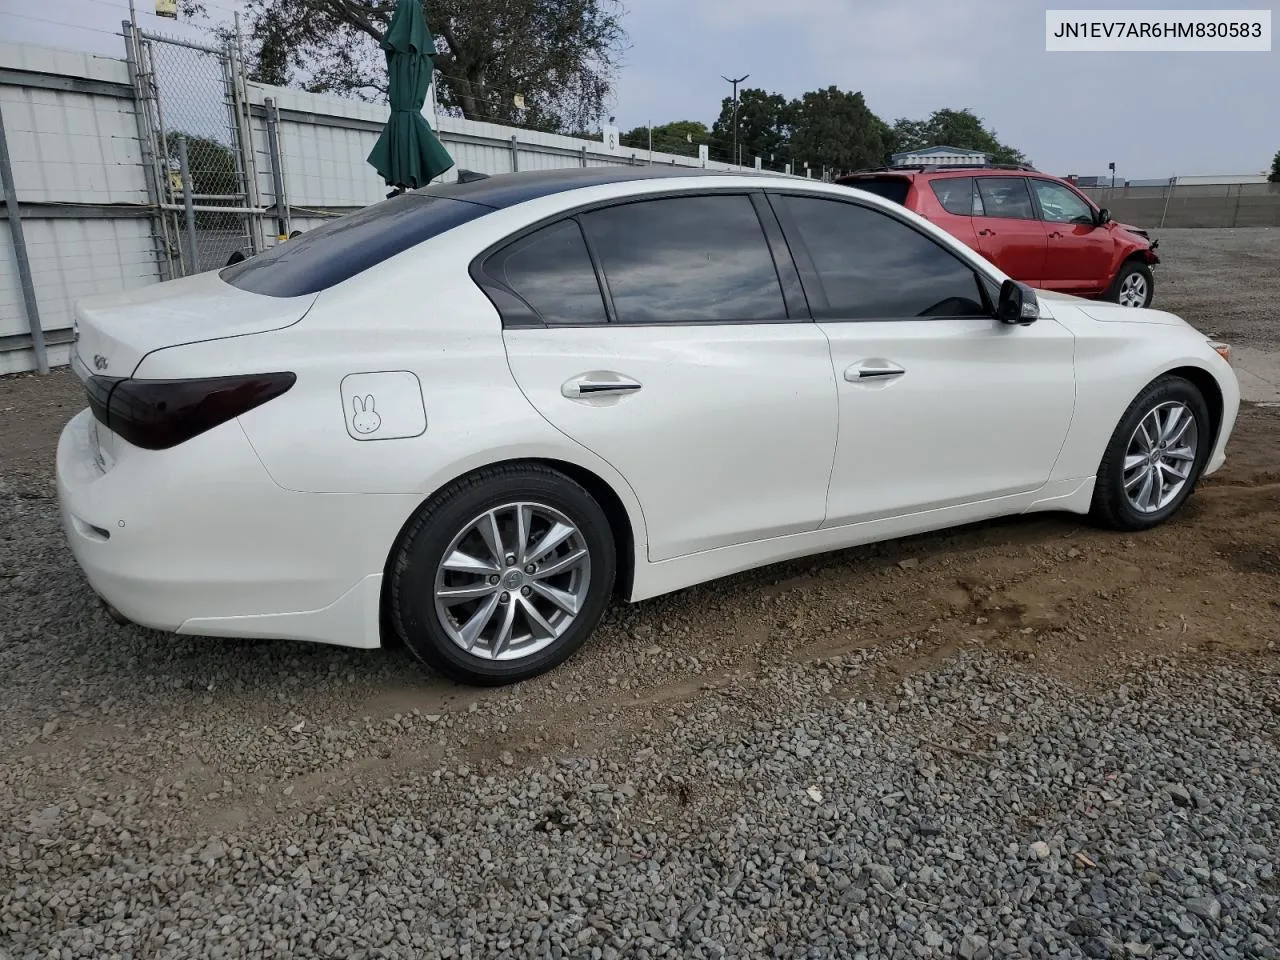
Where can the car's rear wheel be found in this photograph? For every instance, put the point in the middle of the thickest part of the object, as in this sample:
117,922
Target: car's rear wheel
1155,456
502,575
1134,285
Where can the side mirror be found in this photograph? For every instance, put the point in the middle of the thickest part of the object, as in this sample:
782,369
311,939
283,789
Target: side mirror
1104,217
1018,304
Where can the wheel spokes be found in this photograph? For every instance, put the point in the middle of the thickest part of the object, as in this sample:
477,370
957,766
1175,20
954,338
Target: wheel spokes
565,601
456,595
492,597
459,562
560,565
557,535
1159,461
503,636
472,629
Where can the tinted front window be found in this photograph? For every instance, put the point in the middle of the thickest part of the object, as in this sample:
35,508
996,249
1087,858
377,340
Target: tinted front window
686,259
349,244
1061,205
871,266
956,194
551,271
1006,197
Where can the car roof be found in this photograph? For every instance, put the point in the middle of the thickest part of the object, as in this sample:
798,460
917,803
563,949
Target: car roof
507,189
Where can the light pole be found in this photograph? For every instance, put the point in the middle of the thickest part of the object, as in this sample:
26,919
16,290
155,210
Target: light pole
735,112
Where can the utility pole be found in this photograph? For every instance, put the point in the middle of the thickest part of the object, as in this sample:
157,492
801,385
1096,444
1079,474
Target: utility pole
735,113
1112,166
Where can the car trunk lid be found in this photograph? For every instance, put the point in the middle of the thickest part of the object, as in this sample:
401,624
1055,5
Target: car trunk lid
114,332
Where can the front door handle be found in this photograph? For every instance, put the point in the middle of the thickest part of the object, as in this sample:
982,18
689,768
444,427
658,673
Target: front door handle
600,383
873,370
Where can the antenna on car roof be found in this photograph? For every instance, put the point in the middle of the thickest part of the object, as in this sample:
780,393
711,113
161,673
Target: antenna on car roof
469,176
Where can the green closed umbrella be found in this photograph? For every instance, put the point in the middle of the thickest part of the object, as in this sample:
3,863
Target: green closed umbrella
407,153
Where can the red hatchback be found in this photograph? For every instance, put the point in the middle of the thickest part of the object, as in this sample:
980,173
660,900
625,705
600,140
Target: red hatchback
1035,227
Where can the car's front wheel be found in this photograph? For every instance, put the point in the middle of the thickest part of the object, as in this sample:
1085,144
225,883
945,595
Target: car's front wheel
502,575
1154,457
1134,285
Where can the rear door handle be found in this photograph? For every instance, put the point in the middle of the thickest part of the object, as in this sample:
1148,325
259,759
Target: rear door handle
600,383
984,232
873,370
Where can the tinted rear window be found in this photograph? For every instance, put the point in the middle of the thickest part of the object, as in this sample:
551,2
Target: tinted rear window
891,188
349,244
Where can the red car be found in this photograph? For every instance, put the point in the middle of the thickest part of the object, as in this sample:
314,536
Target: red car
1035,227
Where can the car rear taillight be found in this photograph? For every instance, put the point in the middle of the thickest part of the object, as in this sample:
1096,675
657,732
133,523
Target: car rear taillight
158,414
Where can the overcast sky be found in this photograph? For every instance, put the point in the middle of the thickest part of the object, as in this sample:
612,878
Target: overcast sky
1154,114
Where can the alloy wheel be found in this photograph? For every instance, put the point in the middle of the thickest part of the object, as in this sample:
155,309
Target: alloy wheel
1133,291
1160,456
512,581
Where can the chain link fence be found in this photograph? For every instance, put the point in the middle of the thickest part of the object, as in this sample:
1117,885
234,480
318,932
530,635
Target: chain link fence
192,102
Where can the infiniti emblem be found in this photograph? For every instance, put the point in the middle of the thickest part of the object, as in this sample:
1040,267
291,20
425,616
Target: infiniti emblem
99,361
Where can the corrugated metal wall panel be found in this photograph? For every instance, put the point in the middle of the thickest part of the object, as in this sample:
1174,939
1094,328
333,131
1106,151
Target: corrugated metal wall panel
72,259
72,147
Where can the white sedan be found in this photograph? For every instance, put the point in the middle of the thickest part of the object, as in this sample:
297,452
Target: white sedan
468,415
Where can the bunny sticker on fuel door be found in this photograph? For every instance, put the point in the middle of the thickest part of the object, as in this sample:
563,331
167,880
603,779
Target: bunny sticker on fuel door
386,405
364,418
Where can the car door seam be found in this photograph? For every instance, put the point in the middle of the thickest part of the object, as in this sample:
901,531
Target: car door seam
506,356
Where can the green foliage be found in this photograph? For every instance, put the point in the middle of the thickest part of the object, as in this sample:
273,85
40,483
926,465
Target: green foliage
680,137
1274,177
558,56
952,128
764,128
836,130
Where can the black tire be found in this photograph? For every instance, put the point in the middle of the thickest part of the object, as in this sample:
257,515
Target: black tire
1111,507
1128,269
411,597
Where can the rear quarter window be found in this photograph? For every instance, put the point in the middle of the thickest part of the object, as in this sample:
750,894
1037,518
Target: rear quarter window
350,244
957,196
894,189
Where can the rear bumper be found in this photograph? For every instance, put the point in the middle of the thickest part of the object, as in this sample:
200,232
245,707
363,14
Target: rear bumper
199,540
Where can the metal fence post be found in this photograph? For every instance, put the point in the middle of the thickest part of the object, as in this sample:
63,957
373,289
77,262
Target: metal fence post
515,154
188,206
146,142
20,254
1168,194
277,171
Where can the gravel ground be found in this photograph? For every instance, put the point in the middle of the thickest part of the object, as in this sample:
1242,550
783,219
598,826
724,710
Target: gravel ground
1226,282
1020,739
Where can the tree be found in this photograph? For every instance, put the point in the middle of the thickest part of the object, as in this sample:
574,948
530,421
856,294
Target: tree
680,137
559,57
764,128
1275,169
952,128
837,130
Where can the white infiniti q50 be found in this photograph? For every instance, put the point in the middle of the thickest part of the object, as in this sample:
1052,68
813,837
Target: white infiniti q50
471,413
